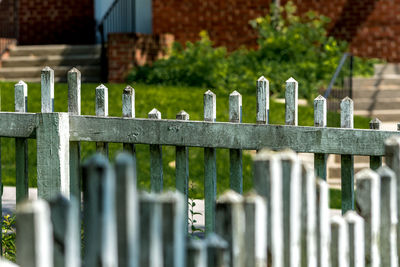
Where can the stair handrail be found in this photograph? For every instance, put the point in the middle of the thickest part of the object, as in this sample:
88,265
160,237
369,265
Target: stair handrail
337,72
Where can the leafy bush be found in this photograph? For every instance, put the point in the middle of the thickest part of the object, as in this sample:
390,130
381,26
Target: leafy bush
8,241
293,46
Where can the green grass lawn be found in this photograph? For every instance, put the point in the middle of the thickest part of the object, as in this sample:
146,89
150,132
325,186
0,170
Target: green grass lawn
169,101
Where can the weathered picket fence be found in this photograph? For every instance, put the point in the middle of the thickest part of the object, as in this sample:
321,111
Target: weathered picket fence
58,136
285,223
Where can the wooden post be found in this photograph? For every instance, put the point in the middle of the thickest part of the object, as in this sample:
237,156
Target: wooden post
210,165
102,110
34,241
268,183
156,168
323,224
47,80
389,219
392,158
368,207
196,253
308,218
217,251
339,244
291,98
21,145
230,225
65,217
128,111
235,155
173,221
127,211
262,101
375,161
6,263
52,138
99,218
151,247
347,161
255,249
182,169
74,108
320,121
355,225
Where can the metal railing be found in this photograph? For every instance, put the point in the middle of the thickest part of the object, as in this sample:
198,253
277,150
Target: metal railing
8,25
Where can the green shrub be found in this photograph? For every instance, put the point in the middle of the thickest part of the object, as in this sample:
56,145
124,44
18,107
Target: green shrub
8,241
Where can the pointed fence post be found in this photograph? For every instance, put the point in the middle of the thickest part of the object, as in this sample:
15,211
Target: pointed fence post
47,90
262,101
156,168
368,207
74,108
127,210
255,249
323,223
347,161
235,155
128,111
210,165
34,241
291,102
196,253
339,244
217,251
102,111
182,169
65,217
268,184
173,221
320,120
230,225
99,218
355,224
389,219
21,145
151,247
392,159
375,161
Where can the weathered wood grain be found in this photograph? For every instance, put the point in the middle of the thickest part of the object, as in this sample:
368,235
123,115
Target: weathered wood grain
375,161
291,102
355,224
323,228
156,168
262,116
101,107
47,89
128,111
320,120
235,155
339,244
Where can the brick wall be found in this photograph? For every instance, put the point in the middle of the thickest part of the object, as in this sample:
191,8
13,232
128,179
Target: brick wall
7,18
372,27
56,22
126,50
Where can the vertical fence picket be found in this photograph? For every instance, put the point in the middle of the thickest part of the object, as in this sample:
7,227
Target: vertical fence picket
230,225
172,205
392,158
217,251
320,121
375,161
156,168
235,155
99,220
210,165
323,227
66,231
150,216
74,108
347,161
21,145
127,211
34,241
268,184
339,245
291,102
47,90
262,101
182,169
196,253
102,110
6,263
308,218
255,249
368,207
128,111
389,219
355,225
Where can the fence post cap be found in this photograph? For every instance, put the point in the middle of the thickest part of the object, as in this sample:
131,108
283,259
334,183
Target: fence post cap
182,115
346,99
230,196
209,92
128,90
385,171
171,196
47,68
21,82
265,154
337,220
352,217
101,86
97,159
365,174
74,70
375,120
234,93
262,79
32,206
214,240
154,114
320,98
393,141
291,80
123,158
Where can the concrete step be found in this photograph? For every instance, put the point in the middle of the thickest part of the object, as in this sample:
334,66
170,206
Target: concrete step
334,171
387,69
23,73
47,50
86,79
361,83
383,115
357,159
375,93
68,60
376,103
